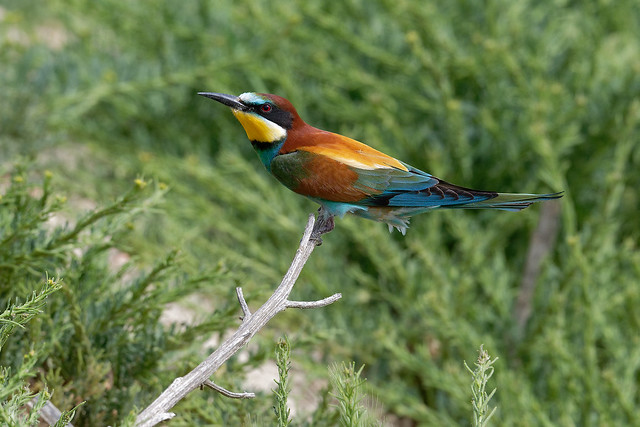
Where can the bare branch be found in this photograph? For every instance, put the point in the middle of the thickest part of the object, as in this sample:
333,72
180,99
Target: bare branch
48,412
223,391
156,419
314,304
243,304
251,324
542,242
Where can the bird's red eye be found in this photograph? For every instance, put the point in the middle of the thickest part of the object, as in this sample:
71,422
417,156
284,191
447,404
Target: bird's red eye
265,108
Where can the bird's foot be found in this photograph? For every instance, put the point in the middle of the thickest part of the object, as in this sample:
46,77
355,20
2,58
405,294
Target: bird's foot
324,224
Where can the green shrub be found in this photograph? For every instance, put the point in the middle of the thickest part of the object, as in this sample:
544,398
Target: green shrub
100,338
515,96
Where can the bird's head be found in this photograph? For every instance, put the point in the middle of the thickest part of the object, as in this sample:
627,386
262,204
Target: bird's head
266,118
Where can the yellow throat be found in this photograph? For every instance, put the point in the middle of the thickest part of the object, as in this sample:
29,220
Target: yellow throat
258,128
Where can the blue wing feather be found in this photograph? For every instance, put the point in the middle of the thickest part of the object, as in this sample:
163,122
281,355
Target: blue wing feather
392,179
413,188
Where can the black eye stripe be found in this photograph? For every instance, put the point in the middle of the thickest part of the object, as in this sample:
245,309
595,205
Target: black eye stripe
276,115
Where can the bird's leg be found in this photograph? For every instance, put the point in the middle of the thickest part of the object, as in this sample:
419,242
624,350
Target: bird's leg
323,225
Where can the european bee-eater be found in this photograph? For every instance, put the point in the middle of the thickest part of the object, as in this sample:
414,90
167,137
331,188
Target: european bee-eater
347,176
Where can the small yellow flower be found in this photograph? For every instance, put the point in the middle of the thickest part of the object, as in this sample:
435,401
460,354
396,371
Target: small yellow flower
453,105
140,183
412,37
110,76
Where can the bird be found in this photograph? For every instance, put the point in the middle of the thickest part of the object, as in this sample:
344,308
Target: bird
346,176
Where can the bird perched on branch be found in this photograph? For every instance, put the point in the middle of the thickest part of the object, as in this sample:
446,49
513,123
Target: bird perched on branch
347,176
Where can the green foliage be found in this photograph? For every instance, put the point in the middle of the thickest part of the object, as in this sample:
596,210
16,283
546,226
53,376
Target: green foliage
347,385
67,416
101,339
481,374
15,392
281,393
529,96
326,413
17,316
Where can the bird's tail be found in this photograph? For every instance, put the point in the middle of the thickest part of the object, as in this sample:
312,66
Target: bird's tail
508,201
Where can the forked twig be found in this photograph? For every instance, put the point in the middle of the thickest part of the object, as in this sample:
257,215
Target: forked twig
158,411
243,304
223,391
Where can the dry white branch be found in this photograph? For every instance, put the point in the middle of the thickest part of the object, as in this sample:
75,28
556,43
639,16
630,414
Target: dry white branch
243,304
223,391
159,417
314,304
541,244
251,324
49,413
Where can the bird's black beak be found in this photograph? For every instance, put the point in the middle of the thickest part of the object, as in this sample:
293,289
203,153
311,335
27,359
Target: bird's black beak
228,100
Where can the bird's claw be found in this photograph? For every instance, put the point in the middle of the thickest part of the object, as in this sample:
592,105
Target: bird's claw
323,225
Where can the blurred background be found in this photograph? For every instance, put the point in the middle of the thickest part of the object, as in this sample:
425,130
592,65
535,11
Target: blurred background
515,96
